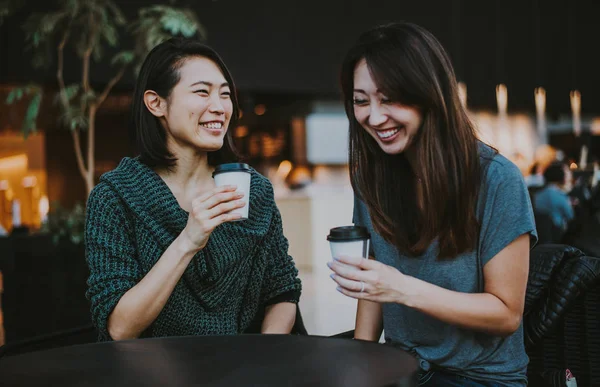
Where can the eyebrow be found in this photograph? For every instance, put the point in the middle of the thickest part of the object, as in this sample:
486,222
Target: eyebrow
364,92
209,84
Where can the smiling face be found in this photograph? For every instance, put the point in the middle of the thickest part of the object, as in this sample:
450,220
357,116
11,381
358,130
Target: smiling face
393,125
199,108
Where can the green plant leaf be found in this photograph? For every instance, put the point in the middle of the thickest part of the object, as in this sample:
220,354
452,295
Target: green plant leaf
123,58
13,96
74,118
118,16
109,33
157,23
29,123
70,92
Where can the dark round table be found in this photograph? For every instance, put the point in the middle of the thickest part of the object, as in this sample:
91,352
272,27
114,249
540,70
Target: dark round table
246,360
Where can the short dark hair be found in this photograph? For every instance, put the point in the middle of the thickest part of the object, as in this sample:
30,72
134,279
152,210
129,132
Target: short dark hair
160,73
555,173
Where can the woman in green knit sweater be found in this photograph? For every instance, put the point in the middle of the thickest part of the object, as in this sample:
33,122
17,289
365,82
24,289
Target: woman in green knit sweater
164,257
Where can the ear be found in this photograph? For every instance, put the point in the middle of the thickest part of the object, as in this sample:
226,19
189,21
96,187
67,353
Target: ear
154,103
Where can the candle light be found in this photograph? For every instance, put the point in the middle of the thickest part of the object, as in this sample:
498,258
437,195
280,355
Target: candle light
462,93
16,213
576,110
503,135
540,108
502,99
44,207
583,157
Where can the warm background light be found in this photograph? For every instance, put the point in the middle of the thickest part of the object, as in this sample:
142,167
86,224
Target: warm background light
29,181
462,93
502,98
260,109
576,111
13,162
44,207
540,109
284,169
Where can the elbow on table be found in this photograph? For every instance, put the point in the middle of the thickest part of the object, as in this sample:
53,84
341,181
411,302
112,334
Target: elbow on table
118,332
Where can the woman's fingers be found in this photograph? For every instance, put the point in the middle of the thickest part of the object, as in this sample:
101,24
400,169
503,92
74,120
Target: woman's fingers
220,197
360,262
347,271
223,218
224,208
224,188
348,284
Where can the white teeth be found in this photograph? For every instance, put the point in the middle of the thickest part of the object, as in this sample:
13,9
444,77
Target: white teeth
213,125
387,133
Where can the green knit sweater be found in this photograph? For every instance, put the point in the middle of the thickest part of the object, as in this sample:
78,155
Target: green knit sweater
132,217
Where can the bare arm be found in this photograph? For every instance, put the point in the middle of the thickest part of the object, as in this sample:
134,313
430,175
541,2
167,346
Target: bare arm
279,318
369,321
498,310
142,304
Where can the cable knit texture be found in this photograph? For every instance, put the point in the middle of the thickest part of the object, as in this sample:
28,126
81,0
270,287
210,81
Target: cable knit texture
132,217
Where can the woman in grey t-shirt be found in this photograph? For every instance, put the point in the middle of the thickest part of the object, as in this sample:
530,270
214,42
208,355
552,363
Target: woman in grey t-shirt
450,218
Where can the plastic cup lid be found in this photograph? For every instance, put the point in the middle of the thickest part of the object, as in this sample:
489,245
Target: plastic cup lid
348,233
231,167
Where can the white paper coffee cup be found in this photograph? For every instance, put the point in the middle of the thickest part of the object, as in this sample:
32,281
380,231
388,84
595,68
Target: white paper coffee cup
237,174
350,241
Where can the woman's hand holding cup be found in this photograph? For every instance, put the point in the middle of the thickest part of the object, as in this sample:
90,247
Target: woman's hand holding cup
209,211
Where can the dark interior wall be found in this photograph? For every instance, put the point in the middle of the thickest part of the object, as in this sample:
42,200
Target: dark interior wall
296,46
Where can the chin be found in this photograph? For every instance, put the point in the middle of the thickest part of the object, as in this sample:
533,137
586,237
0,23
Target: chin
210,146
393,149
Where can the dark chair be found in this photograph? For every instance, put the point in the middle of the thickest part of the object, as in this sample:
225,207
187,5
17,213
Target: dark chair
547,231
80,335
562,316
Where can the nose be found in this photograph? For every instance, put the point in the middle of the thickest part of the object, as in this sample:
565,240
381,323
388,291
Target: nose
376,115
215,105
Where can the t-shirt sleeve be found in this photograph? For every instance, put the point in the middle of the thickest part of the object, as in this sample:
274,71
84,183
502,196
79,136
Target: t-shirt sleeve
507,211
110,255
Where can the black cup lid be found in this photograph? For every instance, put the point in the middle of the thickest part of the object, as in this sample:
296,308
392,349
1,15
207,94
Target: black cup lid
348,233
231,167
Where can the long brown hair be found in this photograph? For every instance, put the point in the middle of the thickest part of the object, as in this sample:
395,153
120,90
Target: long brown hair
410,66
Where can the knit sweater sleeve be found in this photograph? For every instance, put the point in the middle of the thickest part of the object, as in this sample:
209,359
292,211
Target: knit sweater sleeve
282,283
110,254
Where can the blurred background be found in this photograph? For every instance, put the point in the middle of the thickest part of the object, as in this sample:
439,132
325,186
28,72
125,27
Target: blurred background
528,71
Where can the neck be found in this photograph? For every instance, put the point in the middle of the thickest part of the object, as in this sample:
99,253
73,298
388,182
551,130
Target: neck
192,173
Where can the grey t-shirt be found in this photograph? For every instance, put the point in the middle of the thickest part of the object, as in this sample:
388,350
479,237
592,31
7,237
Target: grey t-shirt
504,212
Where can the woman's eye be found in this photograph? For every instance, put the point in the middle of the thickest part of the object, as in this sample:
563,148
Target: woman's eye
203,91
226,94
358,101
386,100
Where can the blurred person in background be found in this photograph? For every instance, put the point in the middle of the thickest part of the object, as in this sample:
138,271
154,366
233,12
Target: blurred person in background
553,200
